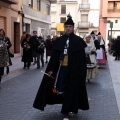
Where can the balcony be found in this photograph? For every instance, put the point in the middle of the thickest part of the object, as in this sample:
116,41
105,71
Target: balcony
113,10
84,7
10,1
83,24
53,1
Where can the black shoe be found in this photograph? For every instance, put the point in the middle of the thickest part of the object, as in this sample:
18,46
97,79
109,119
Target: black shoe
24,67
34,63
42,65
28,67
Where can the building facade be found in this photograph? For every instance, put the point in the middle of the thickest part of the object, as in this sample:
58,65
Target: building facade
109,13
36,16
11,21
85,14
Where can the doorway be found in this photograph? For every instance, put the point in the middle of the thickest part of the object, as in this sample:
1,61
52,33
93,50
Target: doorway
16,37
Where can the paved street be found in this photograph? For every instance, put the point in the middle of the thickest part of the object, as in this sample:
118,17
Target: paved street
19,88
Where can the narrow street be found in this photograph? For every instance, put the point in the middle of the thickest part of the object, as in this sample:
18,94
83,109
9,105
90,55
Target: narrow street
19,88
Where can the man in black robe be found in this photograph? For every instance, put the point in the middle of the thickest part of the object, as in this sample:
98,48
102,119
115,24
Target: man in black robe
68,65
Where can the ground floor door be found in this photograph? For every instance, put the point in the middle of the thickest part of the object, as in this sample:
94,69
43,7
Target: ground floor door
16,37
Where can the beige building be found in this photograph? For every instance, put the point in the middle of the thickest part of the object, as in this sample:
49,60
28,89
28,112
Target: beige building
85,14
11,21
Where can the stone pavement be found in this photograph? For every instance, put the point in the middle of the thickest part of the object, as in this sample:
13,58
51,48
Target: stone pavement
17,95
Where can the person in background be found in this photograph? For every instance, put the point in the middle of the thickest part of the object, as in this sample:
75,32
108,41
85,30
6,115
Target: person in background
40,52
117,48
4,58
27,57
48,45
100,49
22,38
7,43
34,40
90,51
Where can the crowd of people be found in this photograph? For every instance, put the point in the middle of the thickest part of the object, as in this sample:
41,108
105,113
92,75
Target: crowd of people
34,49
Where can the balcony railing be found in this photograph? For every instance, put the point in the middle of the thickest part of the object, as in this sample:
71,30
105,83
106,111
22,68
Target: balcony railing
53,1
10,1
113,10
84,6
83,24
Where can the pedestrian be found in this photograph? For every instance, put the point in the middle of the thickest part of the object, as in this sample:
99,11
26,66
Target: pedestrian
34,40
117,48
7,43
68,65
4,58
40,52
48,45
100,50
22,38
27,57
91,61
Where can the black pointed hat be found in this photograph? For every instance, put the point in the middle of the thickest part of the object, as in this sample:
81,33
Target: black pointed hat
69,20
92,32
99,33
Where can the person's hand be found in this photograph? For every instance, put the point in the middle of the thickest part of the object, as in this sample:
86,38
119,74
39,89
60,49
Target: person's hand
25,46
88,52
6,44
50,73
28,47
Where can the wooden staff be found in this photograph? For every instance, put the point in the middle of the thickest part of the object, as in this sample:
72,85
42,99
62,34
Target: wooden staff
54,89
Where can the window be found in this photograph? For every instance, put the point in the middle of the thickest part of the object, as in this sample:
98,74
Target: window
48,9
63,9
62,19
113,6
84,18
84,1
116,21
38,4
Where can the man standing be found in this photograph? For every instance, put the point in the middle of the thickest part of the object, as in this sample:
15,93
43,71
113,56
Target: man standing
34,40
48,45
68,65
40,52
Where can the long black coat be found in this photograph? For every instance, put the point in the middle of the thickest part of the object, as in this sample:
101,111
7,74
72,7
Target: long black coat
75,94
27,53
117,46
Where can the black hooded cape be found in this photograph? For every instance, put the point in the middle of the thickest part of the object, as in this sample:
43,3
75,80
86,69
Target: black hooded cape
75,94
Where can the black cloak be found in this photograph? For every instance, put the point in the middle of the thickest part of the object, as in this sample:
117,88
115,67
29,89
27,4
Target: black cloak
75,94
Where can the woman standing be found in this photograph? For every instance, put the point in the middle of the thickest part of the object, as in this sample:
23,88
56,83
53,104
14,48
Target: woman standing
7,43
27,57
4,58
90,51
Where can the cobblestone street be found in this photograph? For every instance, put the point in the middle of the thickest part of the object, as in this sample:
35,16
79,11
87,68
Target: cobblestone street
18,91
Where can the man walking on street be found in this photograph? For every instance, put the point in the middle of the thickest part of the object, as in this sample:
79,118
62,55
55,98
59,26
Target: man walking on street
68,65
34,40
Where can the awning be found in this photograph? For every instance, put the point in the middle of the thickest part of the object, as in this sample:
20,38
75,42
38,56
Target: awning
60,27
